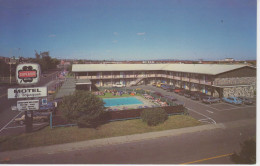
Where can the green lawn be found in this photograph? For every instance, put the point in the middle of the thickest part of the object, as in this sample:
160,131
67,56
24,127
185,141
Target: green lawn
61,135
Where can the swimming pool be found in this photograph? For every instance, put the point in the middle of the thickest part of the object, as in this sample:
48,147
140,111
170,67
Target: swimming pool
121,101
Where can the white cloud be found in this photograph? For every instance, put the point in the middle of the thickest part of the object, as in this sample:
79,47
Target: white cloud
52,35
141,33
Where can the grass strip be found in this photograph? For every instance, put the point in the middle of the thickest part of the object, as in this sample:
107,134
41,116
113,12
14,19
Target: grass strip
62,135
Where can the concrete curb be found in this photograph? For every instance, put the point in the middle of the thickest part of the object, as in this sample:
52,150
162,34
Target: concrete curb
16,154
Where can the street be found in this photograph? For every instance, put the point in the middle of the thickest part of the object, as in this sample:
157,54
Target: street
205,147
7,115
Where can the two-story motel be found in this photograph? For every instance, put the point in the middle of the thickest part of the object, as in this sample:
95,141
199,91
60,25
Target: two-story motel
212,79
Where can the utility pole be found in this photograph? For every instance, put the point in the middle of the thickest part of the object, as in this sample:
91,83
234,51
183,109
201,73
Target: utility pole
10,72
10,67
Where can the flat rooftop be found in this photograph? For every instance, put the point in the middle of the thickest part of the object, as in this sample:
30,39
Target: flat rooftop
211,69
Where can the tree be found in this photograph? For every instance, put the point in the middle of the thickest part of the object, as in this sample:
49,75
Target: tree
81,61
247,155
154,116
45,61
82,108
4,68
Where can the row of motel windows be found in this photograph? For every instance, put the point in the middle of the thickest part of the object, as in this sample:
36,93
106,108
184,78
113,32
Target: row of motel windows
192,86
127,74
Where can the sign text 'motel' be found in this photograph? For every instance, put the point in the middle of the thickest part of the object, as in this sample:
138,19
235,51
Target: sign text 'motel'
27,92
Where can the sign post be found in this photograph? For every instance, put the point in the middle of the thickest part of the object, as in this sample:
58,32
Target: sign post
11,62
27,74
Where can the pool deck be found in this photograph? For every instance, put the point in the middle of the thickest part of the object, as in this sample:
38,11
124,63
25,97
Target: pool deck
134,106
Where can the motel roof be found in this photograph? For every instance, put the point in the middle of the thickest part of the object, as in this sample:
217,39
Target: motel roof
211,69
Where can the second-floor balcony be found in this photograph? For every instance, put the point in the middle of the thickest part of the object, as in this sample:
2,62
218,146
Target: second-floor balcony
169,76
176,77
185,79
135,76
151,75
194,80
205,82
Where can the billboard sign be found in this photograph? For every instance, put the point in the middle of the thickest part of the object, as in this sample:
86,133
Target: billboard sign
27,105
27,92
28,73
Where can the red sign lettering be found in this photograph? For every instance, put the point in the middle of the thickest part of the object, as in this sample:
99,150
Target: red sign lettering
27,74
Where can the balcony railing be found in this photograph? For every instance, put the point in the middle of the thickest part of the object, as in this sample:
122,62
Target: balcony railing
205,82
169,76
176,77
185,79
208,82
194,80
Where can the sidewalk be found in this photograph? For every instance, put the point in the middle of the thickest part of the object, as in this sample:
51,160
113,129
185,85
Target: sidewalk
16,154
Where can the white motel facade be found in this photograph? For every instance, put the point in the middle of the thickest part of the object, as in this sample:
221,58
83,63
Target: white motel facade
219,80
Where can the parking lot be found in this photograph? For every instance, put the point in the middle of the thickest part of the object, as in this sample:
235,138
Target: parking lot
210,113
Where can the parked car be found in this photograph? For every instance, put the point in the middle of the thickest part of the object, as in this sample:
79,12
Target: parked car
14,108
48,107
181,92
172,98
170,89
187,93
232,100
36,118
210,99
118,85
51,92
154,84
160,84
165,87
177,90
158,94
196,95
246,100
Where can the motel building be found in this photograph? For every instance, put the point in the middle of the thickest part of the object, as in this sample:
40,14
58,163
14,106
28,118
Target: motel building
218,80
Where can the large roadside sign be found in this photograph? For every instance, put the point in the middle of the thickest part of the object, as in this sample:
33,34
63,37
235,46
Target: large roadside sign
28,73
27,92
28,105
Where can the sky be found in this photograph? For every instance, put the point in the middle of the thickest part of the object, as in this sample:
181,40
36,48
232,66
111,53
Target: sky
129,29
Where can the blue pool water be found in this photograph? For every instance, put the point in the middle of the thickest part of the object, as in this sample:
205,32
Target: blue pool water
121,101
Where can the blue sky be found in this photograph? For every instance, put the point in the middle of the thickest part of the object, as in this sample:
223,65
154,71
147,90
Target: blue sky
129,29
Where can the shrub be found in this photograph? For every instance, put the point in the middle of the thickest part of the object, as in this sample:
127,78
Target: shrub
83,108
154,116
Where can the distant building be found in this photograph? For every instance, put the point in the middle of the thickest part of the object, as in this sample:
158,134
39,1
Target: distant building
5,59
229,59
148,62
